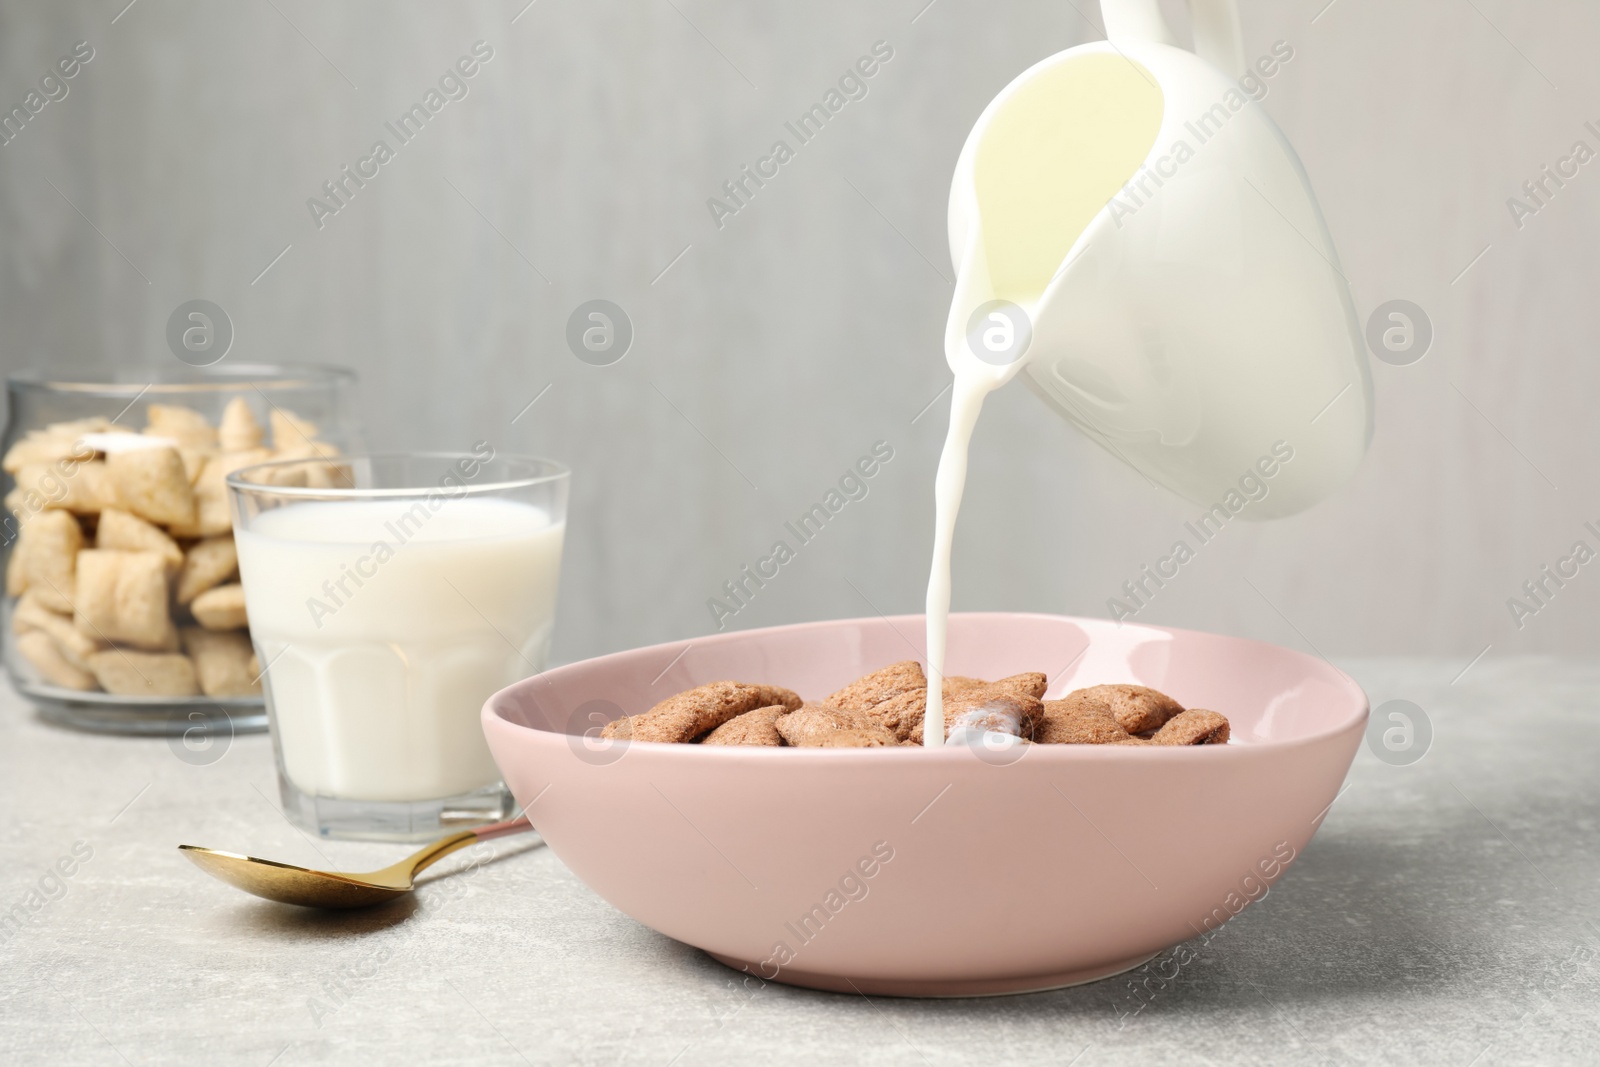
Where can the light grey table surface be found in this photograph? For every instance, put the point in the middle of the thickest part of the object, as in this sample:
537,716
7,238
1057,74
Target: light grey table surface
1445,913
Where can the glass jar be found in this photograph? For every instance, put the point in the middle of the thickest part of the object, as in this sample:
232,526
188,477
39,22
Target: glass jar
123,610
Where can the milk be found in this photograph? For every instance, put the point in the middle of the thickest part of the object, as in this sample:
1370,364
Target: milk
1045,166
384,626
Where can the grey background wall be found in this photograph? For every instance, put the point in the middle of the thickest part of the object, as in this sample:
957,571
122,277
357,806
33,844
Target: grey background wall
774,351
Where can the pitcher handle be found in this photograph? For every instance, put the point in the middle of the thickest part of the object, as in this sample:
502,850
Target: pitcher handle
1217,39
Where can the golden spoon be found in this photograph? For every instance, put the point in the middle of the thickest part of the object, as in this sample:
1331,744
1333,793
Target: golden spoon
335,889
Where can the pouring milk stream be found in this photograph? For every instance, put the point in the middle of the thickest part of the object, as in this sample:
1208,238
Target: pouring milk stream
1135,236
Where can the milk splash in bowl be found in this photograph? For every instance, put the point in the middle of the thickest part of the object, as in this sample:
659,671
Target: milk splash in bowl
1133,235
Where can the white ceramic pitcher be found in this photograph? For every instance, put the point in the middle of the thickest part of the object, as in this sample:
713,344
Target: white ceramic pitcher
1186,305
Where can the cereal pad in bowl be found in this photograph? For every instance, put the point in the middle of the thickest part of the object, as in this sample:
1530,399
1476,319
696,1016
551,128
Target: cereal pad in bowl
1149,786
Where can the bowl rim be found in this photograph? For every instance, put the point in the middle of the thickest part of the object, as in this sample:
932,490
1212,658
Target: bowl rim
1360,704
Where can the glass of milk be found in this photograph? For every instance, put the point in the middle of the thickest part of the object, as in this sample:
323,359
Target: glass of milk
389,596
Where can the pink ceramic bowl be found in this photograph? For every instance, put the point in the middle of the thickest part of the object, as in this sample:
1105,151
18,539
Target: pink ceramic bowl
933,872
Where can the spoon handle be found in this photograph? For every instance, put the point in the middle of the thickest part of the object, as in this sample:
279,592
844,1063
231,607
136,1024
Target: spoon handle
431,854
500,829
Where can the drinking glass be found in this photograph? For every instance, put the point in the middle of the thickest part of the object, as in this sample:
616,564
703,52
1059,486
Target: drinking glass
389,596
